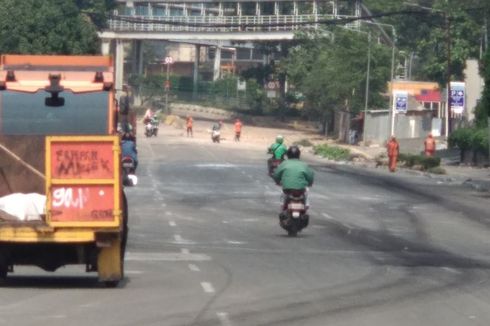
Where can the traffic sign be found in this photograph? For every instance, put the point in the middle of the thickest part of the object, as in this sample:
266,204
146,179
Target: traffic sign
169,60
167,84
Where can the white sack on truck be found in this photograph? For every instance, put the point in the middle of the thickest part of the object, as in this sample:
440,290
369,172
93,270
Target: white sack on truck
24,207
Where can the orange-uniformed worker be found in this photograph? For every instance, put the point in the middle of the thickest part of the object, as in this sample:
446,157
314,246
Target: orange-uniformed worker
429,145
189,126
238,129
393,149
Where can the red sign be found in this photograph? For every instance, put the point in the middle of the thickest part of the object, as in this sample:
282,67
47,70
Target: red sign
82,160
82,203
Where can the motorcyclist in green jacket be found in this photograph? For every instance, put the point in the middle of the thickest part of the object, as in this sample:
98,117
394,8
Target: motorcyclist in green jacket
278,150
293,174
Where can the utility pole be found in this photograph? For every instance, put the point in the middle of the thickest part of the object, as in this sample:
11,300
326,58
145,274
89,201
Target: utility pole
449,112
367,88
391,106
168,61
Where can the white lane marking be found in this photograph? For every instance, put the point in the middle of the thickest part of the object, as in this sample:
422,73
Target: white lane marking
163,205
172,223
214,165
168,256
328,217
452,270
207,287
233,242
194,268
168,213
185,251
224,318
178,238
133,272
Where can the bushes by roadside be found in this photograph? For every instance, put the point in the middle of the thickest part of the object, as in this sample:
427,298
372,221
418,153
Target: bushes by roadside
332,152
303,142
473,140
421,162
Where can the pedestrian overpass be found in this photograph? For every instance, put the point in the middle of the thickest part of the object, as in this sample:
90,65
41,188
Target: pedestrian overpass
214,23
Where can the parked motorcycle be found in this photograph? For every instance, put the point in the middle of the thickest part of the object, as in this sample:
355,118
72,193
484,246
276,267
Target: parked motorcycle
215,136
151,127
294,217
128,171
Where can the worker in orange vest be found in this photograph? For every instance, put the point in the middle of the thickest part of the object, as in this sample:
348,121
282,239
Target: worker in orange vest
393,149
238,129
189,126
430,145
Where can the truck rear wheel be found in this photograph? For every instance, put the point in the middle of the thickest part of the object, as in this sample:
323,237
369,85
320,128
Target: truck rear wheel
111,284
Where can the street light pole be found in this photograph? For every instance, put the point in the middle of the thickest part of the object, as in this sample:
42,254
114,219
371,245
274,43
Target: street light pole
391,104
367,89
449,126
167,88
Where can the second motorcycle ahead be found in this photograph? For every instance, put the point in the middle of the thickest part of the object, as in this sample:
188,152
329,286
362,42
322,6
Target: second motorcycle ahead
216,132
151,126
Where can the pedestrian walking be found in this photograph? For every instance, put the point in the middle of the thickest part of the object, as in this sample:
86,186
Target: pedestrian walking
429,145
189,126
238,129
393,149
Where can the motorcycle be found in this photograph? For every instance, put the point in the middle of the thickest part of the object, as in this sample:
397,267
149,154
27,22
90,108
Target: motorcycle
128,171
151,127
215,136
272,165
294,217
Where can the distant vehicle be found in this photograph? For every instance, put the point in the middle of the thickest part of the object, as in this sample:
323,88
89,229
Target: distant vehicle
215,136
151,127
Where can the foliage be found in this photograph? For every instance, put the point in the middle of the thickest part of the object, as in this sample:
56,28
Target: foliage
329,69
303,142
424,162
332,152
479,141
473,139
423,33
51,26
483,109
462,138
147,87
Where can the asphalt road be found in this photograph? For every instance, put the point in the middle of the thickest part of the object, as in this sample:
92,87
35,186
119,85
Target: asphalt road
205,248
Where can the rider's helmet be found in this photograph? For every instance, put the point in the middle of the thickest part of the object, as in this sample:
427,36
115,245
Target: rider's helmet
293,152
279,139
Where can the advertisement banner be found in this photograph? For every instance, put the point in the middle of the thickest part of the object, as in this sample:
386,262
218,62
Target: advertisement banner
457,97
400,101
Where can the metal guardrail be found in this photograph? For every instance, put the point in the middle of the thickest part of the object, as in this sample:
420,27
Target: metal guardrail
223,23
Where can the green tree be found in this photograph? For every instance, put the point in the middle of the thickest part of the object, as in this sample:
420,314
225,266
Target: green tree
424,33
483,110
51,26
330,71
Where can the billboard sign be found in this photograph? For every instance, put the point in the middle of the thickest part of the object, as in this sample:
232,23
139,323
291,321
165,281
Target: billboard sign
400,101
457,97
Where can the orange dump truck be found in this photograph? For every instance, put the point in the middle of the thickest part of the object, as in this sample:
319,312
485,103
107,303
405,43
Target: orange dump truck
58,139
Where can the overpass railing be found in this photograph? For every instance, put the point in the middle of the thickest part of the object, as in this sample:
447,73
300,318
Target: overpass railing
271,23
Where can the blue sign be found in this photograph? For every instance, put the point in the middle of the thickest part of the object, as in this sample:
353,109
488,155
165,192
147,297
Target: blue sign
401,102
457,97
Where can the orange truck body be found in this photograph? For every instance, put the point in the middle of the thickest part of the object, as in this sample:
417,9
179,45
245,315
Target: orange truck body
85,219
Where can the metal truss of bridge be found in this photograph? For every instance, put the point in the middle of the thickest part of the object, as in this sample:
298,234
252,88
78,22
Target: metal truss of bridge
201,22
